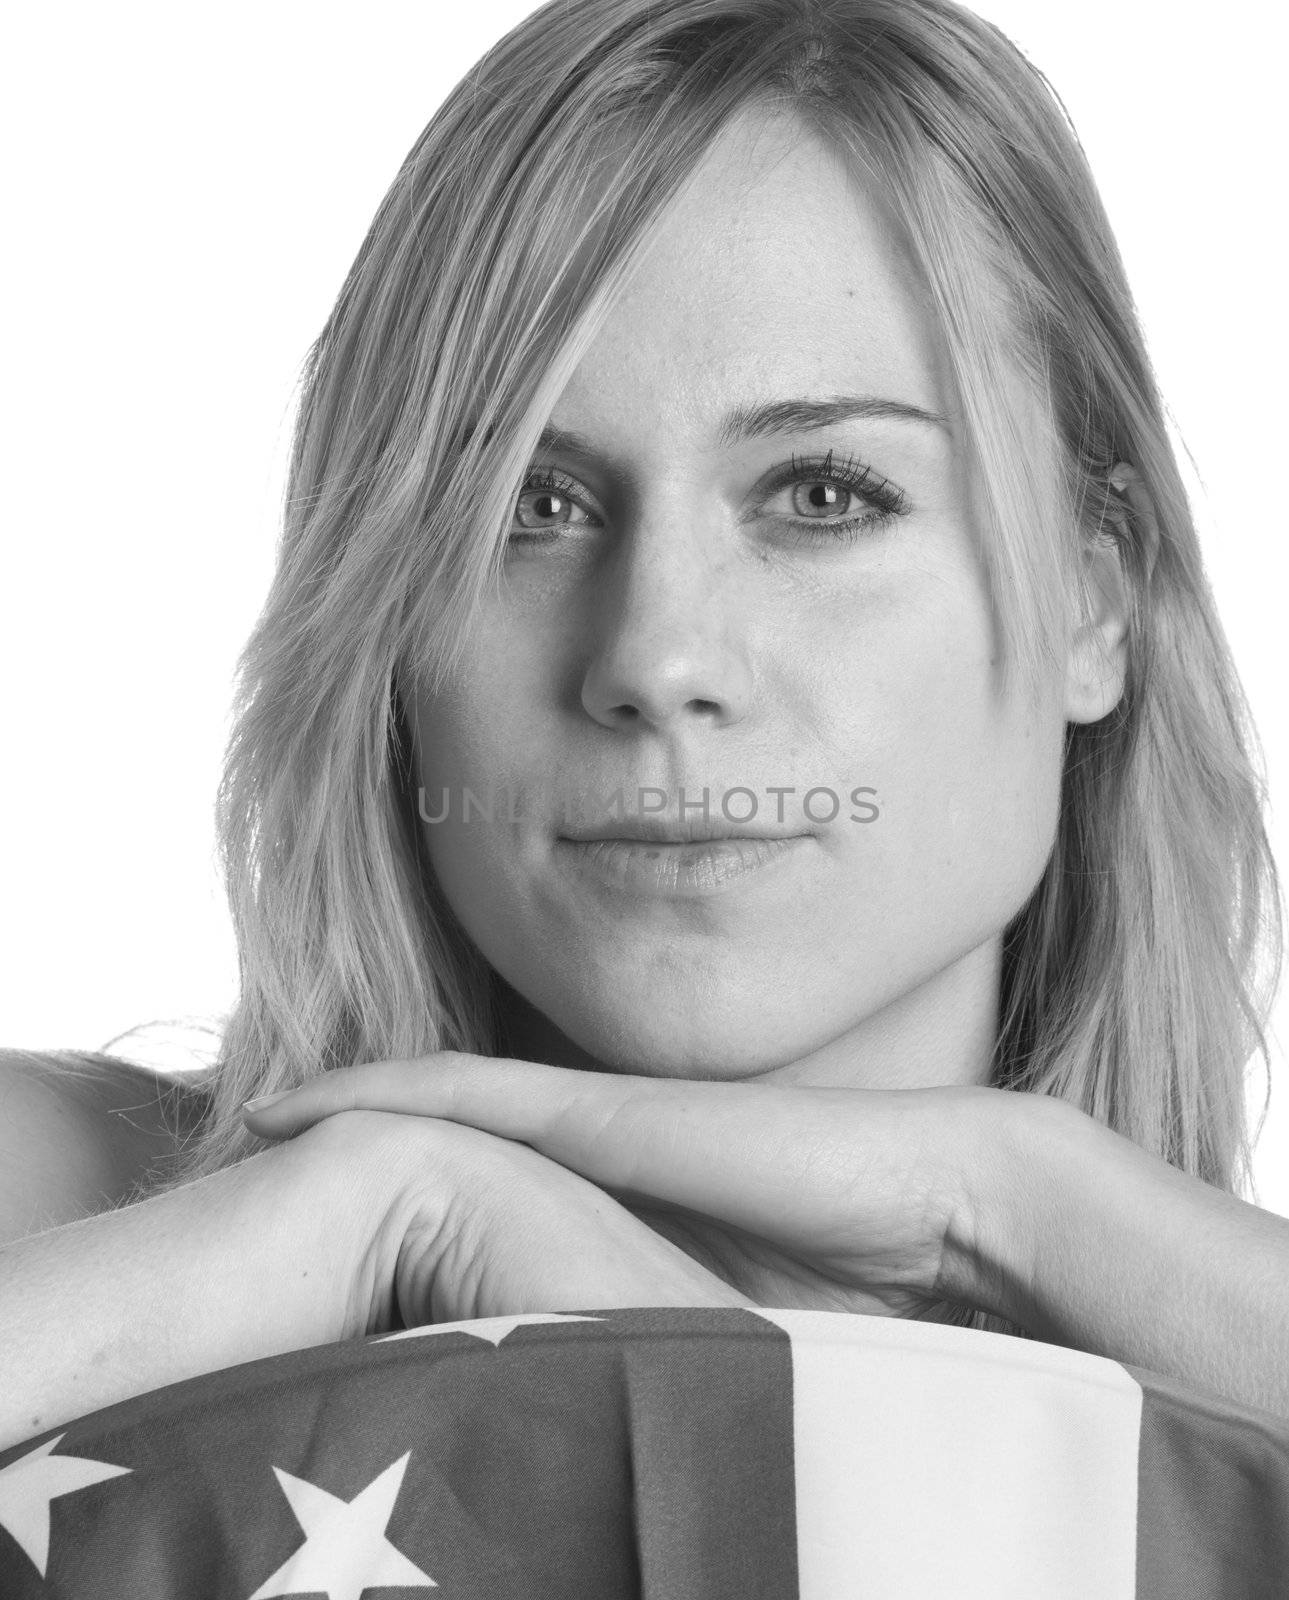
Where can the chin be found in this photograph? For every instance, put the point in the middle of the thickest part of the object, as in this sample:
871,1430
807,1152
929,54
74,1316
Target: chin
657,1048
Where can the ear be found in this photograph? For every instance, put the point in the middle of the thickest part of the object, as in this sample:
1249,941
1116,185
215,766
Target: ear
1097,662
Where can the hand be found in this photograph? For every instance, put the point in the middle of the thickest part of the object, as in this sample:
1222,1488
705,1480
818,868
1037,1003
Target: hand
818,1198
477,1226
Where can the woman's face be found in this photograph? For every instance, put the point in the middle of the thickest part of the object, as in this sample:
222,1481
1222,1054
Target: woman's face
695,617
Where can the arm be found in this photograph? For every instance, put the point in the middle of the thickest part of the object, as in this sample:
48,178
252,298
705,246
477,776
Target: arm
1089,1241
886,1201
280,1252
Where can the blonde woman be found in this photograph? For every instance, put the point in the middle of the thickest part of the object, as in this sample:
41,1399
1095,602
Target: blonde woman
740,794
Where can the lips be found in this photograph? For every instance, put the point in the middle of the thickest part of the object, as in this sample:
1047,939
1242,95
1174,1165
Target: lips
673,869
646,830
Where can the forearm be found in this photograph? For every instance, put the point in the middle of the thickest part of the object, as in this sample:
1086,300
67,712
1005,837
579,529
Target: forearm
277,1253
1093,1243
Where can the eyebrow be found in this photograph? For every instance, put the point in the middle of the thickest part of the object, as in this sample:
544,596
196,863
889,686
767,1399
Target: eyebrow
774,416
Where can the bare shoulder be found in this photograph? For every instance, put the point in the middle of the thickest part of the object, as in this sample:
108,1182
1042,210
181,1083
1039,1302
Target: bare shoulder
81,1132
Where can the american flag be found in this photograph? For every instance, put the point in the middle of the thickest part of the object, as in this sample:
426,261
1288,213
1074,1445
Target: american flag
663,1453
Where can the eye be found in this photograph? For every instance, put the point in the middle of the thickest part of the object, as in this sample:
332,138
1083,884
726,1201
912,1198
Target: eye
542,508
831,487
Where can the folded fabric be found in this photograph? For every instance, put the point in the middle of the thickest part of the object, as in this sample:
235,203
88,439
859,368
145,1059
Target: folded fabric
662,1453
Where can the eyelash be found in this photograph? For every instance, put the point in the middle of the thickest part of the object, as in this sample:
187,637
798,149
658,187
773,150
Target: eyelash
885,501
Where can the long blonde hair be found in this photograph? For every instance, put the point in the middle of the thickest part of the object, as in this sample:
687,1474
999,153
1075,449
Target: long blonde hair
1138,977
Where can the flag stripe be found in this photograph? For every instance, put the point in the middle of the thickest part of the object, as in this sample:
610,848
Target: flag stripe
938,1460
709,1397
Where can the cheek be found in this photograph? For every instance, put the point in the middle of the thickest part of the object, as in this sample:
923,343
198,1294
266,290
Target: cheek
969,787
967,777
471,750
461,744
479,731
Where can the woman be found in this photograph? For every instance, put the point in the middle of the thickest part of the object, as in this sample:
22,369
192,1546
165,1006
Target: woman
732,398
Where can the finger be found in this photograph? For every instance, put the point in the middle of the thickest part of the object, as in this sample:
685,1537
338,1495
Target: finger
412,1086
500,1095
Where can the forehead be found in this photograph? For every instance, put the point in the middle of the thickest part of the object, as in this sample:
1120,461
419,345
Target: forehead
776,270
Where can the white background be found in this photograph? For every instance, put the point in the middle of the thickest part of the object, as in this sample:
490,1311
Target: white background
187,187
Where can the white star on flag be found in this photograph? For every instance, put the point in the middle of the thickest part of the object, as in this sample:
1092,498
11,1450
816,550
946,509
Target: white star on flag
30,1483
494,1329
345,1549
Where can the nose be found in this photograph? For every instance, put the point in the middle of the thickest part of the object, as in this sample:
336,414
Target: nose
670,650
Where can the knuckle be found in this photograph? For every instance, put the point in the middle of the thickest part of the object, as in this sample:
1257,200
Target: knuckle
347,1131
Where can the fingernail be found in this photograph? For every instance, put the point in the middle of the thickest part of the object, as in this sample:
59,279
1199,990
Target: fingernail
264,1100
